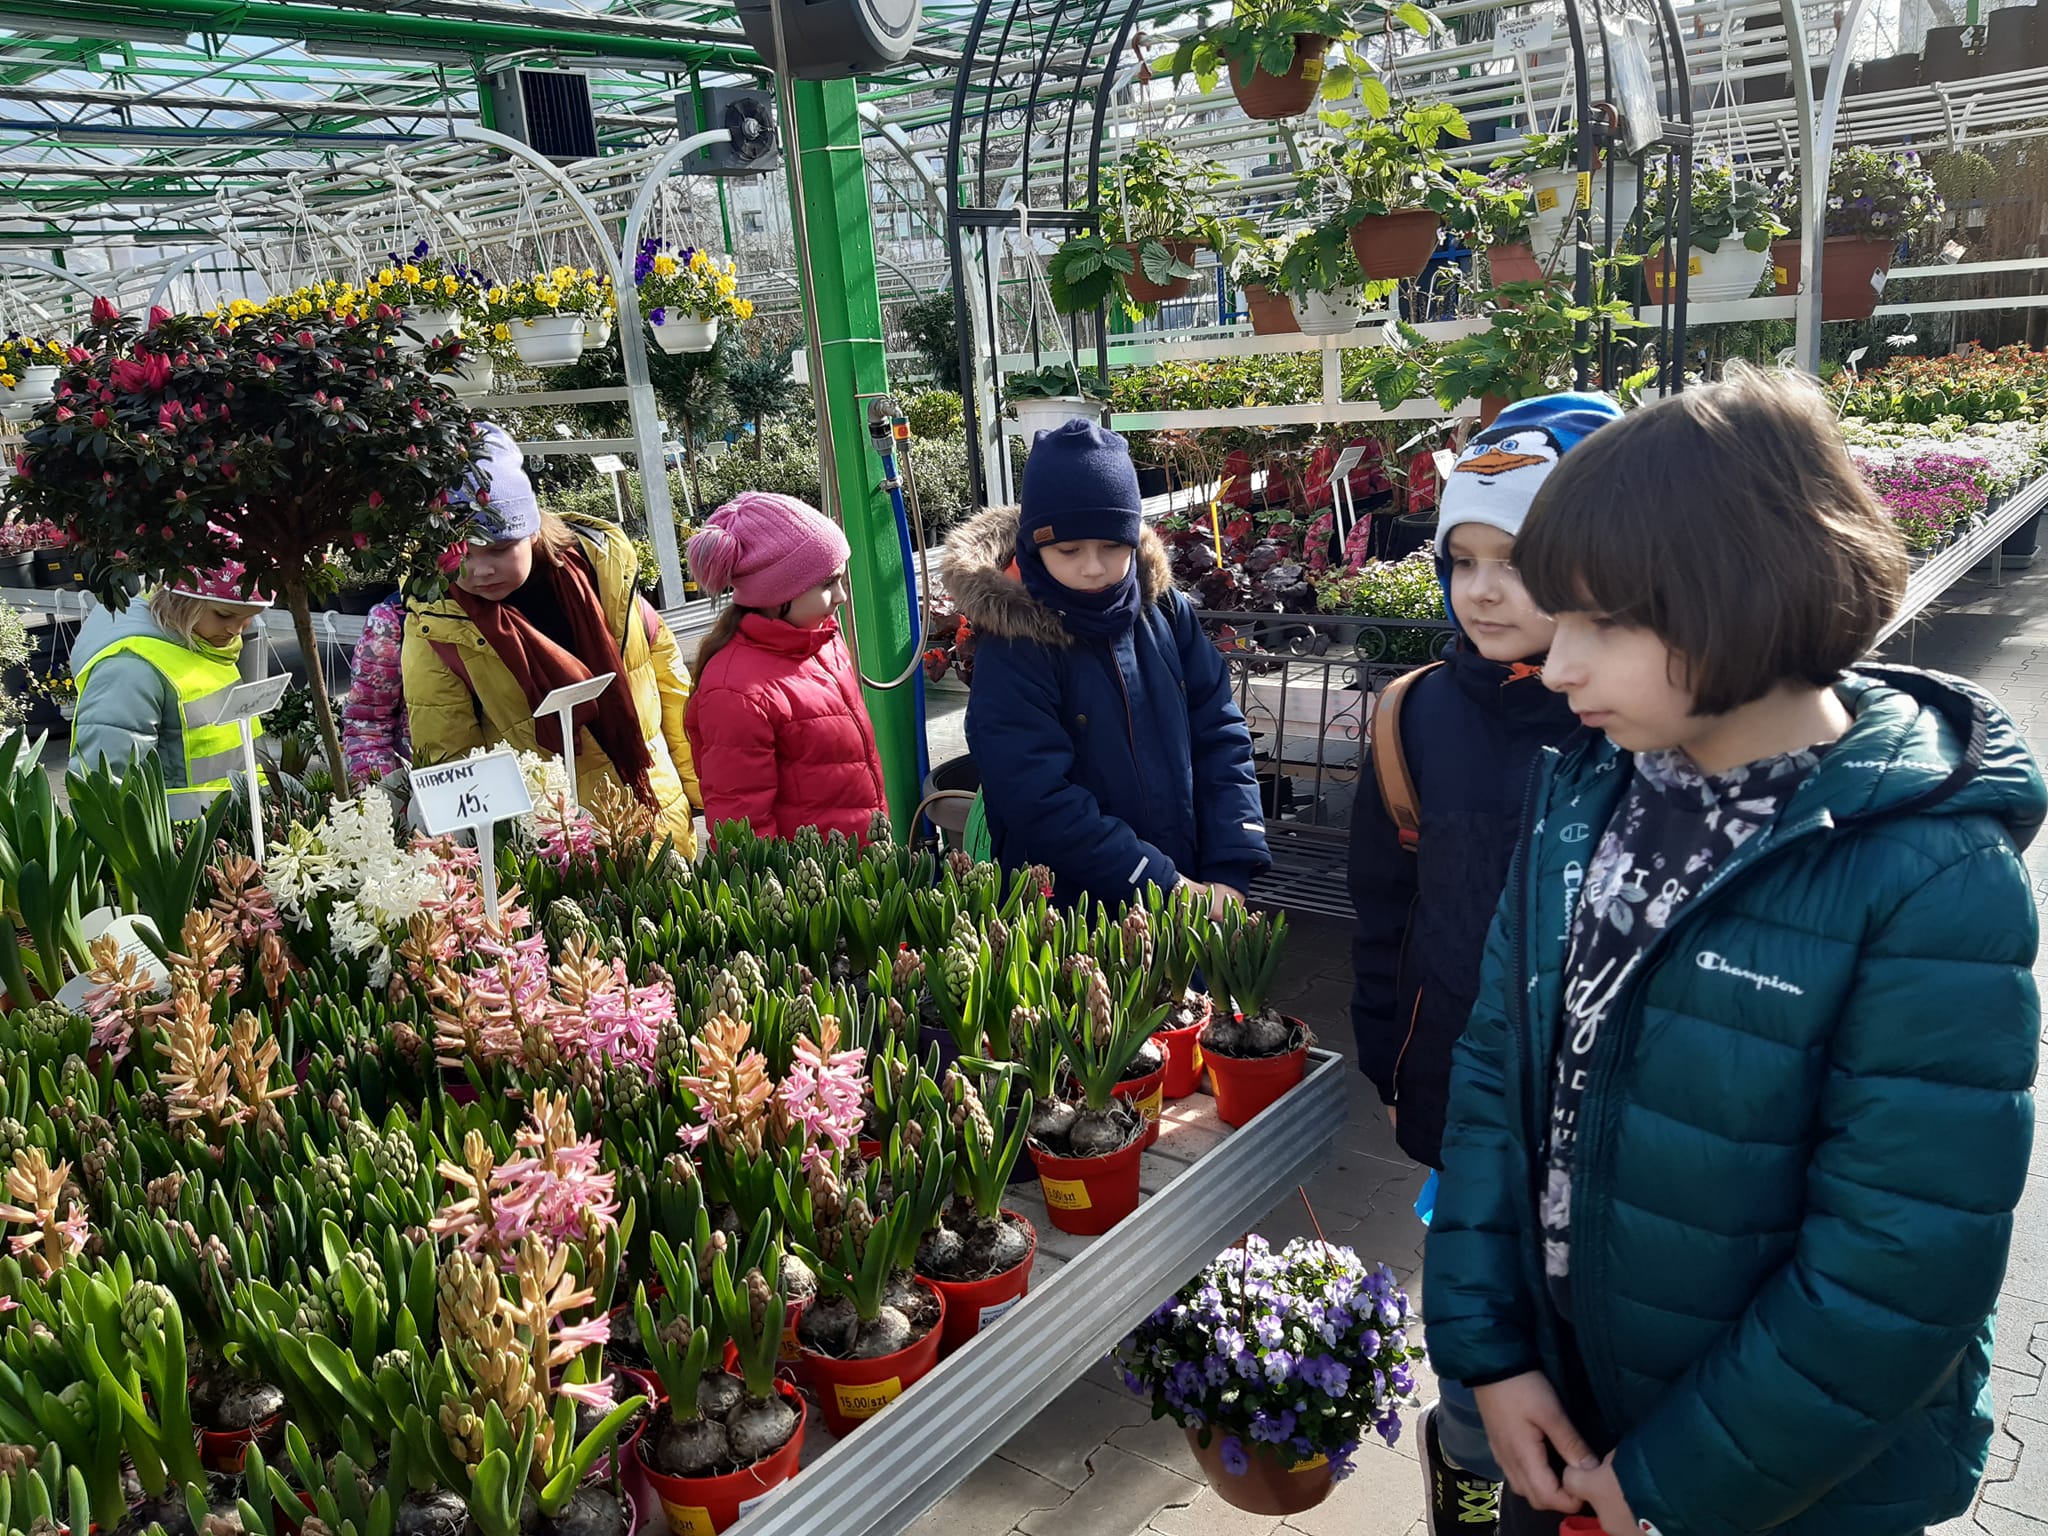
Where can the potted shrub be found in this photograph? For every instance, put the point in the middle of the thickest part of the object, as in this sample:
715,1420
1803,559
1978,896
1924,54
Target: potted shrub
979,1256
429,295
270,444
686,294
1530,346
1254,1054
1041,399
1547,165
1275,52
1730,231
1155,205
1278,1365
1876,202
1397,185
1496,218
1255,266
29,366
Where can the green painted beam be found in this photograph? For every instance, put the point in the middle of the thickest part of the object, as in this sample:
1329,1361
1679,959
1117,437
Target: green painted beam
846,309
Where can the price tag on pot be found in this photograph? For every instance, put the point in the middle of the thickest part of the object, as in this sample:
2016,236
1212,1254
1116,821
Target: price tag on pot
748,1506
1151,1104
1546,199
688,1520
1311,69
1065,1194
995,1310
1310,1465
1513,35
865,1400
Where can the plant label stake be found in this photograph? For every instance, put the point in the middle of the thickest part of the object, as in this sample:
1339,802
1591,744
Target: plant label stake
238,706
562,705
1343,509
133,933
473,795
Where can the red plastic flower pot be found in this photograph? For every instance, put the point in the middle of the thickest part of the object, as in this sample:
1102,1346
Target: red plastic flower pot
791,1356
850,1392
1271,314
703,1506
1148,1095
1088,1195
1183,1048
1395,244
1852,274
971,1305
1143,290
1244,1085
1514,264
1270,97
224,1450
1269,1484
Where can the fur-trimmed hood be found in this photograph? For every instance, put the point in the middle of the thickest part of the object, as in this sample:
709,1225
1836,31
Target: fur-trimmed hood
976,566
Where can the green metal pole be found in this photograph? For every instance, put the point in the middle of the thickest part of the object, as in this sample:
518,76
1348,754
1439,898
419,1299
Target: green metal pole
845,305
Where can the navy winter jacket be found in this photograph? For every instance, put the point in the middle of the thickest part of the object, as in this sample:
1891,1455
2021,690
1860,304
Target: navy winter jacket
1470,731
1805,1129
1116,765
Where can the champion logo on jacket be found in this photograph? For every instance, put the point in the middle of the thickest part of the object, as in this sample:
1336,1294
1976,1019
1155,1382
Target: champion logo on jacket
1709,960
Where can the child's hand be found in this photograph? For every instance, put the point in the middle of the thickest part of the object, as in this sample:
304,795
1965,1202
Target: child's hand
1524,1419
1221,895
1602,1489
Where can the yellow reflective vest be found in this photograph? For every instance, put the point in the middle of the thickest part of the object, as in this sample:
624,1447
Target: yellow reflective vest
212,752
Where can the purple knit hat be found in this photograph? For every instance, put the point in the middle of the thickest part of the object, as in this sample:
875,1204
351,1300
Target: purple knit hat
769,549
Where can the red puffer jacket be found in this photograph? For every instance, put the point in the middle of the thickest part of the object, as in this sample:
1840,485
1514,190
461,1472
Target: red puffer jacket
780,736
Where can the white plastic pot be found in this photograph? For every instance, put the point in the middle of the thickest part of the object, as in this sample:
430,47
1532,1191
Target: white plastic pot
417,327
1335,313
1718,276
1036,416
597,330
548,341
1551,197
30,389
471,379
685,333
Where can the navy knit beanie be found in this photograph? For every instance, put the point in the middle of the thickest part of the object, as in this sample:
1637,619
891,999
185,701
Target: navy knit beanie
1079,483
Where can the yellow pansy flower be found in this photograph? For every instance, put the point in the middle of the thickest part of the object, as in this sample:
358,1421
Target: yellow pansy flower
664,265
501,332
386,278
409,272
497,294
6,381
450,285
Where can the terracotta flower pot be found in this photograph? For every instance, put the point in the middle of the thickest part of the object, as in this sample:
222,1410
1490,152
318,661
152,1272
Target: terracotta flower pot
1142,289
972,1305
850,1392
1395,244
1147,1093
1271,314
1268,97
1852,274
1268,1485
1491,406
1244,1085
1088,1195
1514,264
703,1506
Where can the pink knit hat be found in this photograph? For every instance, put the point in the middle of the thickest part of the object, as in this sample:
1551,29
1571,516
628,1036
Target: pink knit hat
769,549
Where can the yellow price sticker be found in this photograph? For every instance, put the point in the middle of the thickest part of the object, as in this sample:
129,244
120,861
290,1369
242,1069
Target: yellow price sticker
868,1399
1065,1194
1585,189
1780,276
1152,1103
1310,1465
1311,69
1546,199
1692,267
791,1350
688,1520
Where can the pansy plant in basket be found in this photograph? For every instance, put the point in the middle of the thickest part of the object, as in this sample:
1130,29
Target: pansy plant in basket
420,280
1297,1354
1725,205
688,283
1879,196
19,353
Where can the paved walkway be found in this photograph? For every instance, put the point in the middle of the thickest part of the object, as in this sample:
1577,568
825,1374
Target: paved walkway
1095,1464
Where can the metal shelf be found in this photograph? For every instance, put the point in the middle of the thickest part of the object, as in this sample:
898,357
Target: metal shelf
1949,565
1204,1187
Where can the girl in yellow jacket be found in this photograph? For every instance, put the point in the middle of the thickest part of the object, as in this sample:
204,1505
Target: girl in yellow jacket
541,602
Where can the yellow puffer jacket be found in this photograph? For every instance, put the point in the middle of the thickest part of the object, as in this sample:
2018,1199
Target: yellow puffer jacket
451,717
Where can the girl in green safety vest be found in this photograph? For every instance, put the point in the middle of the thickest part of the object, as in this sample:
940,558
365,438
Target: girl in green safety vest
144,671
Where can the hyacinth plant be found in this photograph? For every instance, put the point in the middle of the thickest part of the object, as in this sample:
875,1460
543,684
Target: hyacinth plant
1101,1032
1294,1355
977,1238
1244,952
175,450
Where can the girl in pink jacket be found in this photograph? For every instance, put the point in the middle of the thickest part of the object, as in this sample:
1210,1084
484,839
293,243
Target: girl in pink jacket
777,728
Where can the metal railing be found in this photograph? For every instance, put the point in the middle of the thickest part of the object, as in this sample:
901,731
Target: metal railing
1306,683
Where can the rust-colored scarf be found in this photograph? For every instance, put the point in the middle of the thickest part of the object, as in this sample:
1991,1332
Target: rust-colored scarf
541,666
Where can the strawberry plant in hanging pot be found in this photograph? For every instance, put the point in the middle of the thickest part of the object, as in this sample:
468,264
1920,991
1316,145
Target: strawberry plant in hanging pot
1399,189
1275,53
173,451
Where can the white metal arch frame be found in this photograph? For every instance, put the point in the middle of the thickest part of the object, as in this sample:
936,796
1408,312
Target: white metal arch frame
1816,151
48,269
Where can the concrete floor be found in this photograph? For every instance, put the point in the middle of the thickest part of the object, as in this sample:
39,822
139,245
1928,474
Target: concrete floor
1096,1464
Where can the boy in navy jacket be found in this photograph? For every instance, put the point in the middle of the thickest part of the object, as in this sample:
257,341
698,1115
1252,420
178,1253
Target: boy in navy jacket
1468,732
1102,722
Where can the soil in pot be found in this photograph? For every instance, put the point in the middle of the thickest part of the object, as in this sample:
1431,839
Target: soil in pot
1269,97
232,1413
593,1510
1066,1130
223,1489
1089,1173
869,1364
702,1505
981,1265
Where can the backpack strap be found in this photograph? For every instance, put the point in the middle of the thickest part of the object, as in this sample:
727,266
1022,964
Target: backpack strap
1390,764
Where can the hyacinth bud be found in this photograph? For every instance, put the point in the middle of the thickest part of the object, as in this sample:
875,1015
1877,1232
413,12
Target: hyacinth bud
1100,1013
626,1090
959,866
859,1223
16,1459
679,1170
746,966
328,1181
74,1080
726,996
313,1525
956,973
144,1311
1024,1022
339,1107
671,1046
393,1360
362,1137
759,1299
46,1019
397,1160
998,939
909,969
802,1019
894,1018
222,1525
772,900
162,1194
880,834
913,1136
809,881
827,1198
1137,926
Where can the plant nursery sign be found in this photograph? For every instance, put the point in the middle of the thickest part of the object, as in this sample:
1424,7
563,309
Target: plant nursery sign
1519,36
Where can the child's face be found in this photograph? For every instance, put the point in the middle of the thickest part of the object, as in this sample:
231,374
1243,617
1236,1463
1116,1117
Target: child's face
494,572
221,626
1087,565
1490,602
816,606
1624,680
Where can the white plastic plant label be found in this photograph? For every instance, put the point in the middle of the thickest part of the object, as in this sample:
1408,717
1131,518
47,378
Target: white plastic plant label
996,1309
1519,36
132,933
475,792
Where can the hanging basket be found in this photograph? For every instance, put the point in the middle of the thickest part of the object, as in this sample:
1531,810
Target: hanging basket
1036,416
548,341
1513,264
597,330
471,379
1268,1485
1551,196
1852,274
1271,97
1143,290
1271,314
677,334
1711,277
417,327
18,401
1336,313
1395,244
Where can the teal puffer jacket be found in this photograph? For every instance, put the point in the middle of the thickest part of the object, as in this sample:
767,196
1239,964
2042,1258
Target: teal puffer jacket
1807,1129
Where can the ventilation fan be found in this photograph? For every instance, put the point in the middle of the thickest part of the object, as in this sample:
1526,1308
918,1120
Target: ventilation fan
831,39
546,108
748,116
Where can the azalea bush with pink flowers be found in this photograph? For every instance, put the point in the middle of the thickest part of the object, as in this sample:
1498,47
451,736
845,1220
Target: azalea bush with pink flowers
170,450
